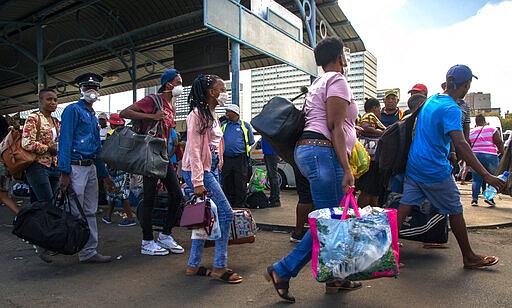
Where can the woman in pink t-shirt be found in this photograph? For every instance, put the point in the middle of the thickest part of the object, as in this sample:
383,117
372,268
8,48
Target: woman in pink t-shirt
485,143
322,154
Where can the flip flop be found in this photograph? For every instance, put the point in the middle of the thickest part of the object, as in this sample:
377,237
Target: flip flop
486,261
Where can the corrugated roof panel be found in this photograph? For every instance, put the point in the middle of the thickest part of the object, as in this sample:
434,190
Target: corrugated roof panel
149,27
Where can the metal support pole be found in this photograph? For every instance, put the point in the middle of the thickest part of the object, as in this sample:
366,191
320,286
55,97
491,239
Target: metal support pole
235,69
41,74
312,23
235,72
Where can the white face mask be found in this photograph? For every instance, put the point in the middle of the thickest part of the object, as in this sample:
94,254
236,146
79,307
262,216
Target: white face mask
222,99
177,91
90,96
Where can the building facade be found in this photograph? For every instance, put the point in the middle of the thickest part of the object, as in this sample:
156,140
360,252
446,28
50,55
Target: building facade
278,80
362,77
480,103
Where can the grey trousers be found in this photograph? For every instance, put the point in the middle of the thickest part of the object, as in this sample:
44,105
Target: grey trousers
85,185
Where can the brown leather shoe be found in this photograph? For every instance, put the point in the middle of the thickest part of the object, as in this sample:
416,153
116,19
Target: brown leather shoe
97,258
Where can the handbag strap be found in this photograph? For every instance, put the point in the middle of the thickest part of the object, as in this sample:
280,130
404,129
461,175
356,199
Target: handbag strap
349,201
66,195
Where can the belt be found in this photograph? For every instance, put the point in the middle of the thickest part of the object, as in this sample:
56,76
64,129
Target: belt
235,155
316,142
83,162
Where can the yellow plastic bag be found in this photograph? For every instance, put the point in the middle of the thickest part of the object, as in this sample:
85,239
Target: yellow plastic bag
359,160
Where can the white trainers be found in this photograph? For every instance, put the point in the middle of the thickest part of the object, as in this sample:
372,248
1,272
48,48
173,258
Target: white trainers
167,242
153,249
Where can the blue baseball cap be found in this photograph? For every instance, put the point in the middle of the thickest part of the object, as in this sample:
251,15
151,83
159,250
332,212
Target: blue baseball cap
459,74
166,77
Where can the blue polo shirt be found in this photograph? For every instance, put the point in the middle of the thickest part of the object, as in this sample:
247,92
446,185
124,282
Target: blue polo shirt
234,142
79,138
389,119
428,156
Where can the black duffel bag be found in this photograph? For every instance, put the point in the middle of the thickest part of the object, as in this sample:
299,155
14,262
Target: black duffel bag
281,125
52,226
424,224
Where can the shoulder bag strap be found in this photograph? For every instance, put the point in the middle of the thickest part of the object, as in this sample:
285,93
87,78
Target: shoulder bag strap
473,144
156,126
38,125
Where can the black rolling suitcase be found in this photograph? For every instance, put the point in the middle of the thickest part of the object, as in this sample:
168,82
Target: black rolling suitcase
159,211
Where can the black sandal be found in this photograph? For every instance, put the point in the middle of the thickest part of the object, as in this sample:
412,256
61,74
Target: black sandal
340,284
203,271
227,277
200,271
279,285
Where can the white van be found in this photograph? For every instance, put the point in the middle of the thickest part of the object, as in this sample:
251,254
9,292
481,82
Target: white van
493,121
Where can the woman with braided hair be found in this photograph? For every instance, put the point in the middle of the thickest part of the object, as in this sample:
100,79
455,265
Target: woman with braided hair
201,161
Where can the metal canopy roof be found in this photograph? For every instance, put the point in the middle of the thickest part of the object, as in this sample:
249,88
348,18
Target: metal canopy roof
57,40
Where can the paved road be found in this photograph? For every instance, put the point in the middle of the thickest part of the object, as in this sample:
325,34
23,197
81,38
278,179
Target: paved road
432,278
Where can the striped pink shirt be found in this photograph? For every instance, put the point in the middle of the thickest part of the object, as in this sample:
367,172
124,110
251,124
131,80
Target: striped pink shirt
481,140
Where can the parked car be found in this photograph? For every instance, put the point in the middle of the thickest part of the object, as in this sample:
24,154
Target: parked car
285,174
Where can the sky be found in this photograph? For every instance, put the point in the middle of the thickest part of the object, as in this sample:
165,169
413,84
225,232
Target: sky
417,41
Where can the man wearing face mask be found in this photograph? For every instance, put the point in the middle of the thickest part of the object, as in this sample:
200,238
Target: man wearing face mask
238,138
79,145
146,111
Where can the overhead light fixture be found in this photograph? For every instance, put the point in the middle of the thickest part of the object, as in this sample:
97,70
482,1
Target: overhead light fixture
112,76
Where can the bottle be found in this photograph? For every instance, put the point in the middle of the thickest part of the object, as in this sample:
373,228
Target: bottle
490,192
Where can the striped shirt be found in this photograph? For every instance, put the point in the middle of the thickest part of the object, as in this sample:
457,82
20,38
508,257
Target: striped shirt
481,138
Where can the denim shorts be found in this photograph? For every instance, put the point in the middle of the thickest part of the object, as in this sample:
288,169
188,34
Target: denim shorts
444,195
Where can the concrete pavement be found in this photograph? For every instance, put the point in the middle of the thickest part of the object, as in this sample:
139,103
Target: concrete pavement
432,278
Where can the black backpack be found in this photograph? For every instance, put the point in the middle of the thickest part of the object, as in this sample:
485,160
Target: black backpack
257,200
393,146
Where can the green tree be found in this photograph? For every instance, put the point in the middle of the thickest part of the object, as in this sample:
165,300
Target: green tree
506,122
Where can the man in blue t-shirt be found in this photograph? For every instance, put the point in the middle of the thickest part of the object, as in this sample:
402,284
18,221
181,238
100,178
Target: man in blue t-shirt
428,173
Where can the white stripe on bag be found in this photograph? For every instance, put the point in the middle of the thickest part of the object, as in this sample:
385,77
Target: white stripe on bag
423,229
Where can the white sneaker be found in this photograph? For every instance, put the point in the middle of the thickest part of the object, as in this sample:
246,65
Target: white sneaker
167,242
153,249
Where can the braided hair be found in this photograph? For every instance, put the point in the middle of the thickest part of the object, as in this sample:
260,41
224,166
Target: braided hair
197,99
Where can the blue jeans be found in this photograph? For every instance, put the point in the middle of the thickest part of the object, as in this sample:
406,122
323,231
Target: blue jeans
490,163
211,183
323,170
43,181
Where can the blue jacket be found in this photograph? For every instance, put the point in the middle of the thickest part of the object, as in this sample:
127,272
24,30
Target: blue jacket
79,138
